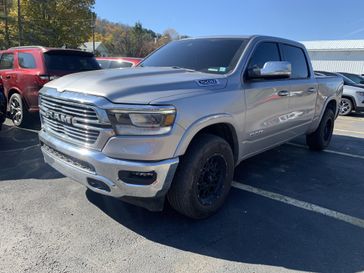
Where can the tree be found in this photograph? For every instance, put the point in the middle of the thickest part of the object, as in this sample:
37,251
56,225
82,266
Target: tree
6,22
53,23
136,41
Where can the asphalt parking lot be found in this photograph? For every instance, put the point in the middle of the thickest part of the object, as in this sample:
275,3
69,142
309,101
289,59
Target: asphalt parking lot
291,209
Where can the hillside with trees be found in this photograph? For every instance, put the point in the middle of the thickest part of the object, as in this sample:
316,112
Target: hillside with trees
136,41
69,23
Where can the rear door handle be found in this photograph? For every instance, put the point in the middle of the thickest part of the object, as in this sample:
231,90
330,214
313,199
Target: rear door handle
283,93
311,90
8,77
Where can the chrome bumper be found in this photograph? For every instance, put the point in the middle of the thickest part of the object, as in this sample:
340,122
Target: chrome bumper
105,169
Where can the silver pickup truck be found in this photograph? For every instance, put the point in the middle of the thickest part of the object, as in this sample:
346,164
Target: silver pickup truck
176,126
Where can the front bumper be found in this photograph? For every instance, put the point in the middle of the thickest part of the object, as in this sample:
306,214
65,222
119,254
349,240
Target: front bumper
85,165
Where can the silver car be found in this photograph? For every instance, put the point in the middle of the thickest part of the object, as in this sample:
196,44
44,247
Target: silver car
353,92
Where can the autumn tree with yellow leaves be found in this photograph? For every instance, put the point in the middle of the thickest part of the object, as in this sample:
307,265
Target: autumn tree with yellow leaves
53,23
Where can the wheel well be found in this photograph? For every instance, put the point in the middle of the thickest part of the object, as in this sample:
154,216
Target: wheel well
12,92
225,131
351,99
332,105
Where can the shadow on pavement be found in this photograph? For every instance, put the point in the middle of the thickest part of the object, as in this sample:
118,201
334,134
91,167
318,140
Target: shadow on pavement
249,229
256,230
359,115
20,155
341,143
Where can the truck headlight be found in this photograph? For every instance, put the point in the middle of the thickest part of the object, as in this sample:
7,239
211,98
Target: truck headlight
361,93
143,120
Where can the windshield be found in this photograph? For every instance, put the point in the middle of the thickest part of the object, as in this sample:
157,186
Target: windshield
69,63
355,78
218,56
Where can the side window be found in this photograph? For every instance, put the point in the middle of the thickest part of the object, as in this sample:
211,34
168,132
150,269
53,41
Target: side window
264,52
297,58
26,60
104,63
7,61
116,64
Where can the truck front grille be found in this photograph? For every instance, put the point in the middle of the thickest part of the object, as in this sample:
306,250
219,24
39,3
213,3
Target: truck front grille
69,120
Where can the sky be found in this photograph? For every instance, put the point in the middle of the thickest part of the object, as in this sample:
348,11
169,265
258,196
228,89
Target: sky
301,20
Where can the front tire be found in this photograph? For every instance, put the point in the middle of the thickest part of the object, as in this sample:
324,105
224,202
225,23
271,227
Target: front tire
321,138
18,112
346,107
203,178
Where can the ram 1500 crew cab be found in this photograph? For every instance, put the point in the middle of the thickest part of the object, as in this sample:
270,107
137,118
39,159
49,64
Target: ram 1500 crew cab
176,126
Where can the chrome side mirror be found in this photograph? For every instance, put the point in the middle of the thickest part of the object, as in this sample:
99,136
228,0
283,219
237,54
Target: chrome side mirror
271,70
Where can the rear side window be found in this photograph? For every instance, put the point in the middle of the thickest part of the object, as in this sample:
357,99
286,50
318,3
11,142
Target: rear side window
104,63
7,61
26,60
264,52
66,62
120,64
297,58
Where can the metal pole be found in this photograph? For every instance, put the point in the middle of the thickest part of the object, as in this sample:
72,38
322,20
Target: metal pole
93,32
19,24
7,39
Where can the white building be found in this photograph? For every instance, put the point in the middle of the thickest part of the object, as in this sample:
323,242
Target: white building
337,55
99,47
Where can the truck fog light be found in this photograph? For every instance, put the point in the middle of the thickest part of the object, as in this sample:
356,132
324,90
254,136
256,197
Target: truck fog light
138,178
98,184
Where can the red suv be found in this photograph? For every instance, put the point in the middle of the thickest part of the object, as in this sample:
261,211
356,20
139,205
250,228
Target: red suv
24,71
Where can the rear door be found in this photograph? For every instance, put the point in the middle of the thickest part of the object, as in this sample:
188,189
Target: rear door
303,90
29,69
267,103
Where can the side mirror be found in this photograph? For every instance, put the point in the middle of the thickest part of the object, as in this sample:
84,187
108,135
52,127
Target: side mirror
271,70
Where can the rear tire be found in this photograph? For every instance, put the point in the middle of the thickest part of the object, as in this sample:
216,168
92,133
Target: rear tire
203,178
18,111
346,107
321,138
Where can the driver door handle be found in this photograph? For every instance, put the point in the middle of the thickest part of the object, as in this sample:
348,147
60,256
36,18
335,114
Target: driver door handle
311,90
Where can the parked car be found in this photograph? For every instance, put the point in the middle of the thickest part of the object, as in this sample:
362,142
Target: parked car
117,62
178,125
2,108
24,71
353,93
358,79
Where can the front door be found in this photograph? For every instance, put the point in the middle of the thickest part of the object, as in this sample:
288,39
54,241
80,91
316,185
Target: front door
267,104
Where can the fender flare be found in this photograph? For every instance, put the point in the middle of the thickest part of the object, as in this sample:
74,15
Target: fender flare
351,98
316,123
197,126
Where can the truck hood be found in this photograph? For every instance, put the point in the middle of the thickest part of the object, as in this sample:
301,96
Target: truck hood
139,85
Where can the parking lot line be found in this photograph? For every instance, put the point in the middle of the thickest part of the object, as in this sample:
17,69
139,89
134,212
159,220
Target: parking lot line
327,151
20,149
301,204
348,131
351,119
